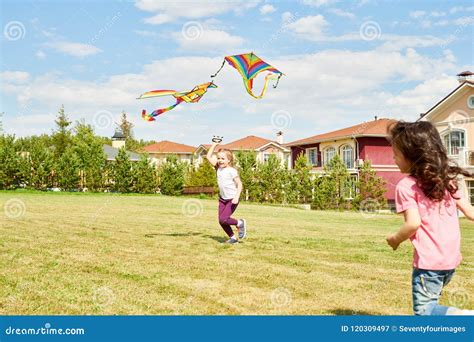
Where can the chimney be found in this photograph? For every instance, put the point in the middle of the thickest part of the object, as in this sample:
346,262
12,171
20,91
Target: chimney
465,76
280,137
118,140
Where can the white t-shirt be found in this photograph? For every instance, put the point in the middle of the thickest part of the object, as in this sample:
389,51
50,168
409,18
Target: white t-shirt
225,180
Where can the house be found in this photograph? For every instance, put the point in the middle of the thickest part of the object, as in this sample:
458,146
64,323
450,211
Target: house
453,116
354,145
263,148
160,150
118,141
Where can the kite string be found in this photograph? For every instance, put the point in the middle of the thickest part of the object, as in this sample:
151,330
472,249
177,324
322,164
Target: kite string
278,80
223,62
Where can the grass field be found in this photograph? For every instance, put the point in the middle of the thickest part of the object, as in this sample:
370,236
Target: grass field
117,254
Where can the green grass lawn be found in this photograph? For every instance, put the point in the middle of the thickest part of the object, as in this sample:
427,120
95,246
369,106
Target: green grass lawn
118,254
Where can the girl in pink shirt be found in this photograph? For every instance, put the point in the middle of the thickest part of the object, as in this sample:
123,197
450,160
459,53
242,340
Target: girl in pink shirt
429,198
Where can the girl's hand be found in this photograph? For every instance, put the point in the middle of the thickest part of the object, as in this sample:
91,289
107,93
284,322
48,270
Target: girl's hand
235,200
393,241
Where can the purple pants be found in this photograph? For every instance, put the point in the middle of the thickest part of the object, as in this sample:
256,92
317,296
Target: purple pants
226,208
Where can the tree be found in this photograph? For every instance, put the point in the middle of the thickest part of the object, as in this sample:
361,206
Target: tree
171,176
9,162
270,178
300,185
371,189
331,189
62,136
204,175
122,172
144,176
246,163
89,150
41,159
126,126
67,169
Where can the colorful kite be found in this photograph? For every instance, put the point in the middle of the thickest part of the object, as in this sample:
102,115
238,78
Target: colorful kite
188,96
249,66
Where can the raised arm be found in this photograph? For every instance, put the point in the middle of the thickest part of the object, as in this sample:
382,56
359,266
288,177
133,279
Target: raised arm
210,154
466,208
411,225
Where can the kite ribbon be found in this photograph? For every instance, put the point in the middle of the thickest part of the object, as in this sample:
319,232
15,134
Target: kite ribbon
249,85
156,112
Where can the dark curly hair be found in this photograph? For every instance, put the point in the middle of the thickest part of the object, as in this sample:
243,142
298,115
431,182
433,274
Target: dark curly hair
421,145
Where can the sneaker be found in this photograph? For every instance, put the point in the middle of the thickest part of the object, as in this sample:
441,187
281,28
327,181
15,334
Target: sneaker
232,240
242,228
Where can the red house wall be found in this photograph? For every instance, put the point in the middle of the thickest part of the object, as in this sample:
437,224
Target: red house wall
379,152
375,149
297,150
391,178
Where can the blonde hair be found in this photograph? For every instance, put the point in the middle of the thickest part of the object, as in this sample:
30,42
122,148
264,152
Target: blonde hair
228,154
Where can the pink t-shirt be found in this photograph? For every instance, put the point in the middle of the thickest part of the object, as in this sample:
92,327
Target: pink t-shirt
437,241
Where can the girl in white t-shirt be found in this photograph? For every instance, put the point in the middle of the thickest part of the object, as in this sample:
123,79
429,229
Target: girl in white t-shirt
230,188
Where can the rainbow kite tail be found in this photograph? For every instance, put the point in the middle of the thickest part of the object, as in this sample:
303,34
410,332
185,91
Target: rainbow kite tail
156,112
249,85
146,116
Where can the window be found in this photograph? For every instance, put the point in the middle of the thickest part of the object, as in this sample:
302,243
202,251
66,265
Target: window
470,190
348,156
266,156
454,142
350,188
329,153
313,156
470,102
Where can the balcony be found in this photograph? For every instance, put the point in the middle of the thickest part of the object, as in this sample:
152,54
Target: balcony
465,158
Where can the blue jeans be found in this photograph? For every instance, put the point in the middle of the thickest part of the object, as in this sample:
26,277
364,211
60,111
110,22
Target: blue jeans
426,288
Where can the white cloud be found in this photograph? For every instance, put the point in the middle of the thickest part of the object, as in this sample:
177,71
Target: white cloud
425,23
397,42
40,54
170,11
417,14
341,13
319,3
464,21
267,9
457,9
437,14
287,17
16,77
73,49
201,39
313,28
146,33
310,27
341,87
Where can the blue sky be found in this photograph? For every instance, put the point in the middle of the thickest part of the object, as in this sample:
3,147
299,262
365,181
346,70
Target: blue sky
344,63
